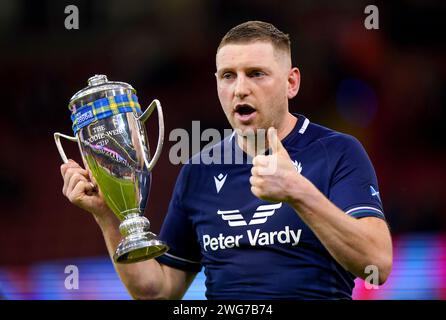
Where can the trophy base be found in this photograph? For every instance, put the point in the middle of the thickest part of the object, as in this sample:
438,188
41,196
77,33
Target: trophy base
140,247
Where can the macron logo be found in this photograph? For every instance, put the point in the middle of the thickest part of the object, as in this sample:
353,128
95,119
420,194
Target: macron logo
235,219
220,181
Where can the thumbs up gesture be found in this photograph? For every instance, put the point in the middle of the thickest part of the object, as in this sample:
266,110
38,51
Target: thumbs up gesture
274,177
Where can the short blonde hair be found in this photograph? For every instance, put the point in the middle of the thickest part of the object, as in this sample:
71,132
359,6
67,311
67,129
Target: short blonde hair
252,31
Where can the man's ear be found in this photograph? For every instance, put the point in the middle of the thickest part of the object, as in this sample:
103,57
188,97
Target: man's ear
293,82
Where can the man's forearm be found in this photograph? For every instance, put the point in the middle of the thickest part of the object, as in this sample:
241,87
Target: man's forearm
143,280
350,241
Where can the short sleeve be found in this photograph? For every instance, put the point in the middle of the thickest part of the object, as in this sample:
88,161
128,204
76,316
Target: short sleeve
353,184
178,232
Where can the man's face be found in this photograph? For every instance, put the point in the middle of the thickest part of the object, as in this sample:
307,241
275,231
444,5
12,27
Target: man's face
253,83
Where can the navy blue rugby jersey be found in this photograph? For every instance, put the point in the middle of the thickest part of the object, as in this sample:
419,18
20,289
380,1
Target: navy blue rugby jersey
254,249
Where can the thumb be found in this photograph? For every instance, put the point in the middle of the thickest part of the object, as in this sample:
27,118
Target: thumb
274,141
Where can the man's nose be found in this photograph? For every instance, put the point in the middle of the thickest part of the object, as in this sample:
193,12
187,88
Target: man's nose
241,87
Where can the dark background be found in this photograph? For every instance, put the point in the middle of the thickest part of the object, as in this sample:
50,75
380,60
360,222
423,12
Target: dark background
386,87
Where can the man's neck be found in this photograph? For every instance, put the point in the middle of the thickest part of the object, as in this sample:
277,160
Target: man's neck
258,143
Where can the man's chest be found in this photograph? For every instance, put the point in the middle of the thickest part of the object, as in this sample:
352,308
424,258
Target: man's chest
229,216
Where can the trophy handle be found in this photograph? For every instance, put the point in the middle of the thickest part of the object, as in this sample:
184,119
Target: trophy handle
57,136
143,117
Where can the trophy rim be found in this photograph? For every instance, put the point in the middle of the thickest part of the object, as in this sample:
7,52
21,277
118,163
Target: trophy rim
92,89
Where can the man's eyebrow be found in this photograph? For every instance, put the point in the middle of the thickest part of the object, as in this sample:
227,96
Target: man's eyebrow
247,69
223,70
255,68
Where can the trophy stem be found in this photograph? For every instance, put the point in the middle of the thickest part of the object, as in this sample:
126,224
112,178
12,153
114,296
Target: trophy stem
139,243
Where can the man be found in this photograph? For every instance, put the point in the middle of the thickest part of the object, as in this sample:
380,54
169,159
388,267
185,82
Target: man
301,222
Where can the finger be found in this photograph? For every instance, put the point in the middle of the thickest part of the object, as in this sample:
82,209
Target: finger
75,179
80,191
70,164
260,160
69,172
256,191
268,167
274,141
255,181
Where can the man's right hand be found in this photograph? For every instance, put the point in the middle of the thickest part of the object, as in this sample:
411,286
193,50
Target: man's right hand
144,280
80,190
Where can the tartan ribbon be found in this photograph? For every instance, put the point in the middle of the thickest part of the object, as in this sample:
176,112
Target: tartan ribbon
103,108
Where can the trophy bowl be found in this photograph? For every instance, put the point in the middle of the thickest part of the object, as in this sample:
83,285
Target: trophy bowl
109,128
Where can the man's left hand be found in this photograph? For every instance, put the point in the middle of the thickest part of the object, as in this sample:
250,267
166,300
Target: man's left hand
274,177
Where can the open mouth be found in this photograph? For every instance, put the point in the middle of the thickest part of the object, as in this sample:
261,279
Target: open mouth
244,110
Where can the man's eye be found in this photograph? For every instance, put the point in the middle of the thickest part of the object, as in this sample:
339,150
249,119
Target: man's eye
256,74
227,75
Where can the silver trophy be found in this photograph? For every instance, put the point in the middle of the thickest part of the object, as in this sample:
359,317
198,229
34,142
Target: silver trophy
109,129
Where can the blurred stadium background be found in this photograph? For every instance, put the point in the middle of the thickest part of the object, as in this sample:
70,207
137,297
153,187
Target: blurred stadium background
386,87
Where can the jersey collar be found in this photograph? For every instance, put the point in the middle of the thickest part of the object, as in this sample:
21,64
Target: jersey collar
294,138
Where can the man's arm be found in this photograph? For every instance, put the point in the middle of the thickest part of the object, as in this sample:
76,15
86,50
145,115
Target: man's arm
144,280
353,243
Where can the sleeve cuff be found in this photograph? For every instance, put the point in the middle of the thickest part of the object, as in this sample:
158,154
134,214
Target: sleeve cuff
179,263
365,211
